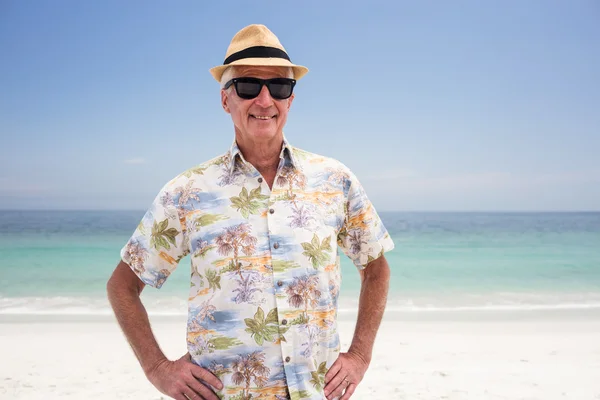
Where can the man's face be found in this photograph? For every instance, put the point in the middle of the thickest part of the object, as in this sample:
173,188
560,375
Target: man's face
262,118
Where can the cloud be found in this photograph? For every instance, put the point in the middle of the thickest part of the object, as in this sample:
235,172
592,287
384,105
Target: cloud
137,160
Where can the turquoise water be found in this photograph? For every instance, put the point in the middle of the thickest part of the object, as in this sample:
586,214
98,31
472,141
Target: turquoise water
59,262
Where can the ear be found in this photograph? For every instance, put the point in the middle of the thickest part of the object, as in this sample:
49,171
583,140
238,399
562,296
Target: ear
224,100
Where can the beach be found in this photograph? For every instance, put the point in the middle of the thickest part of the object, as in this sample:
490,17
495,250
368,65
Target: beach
481,306
497,355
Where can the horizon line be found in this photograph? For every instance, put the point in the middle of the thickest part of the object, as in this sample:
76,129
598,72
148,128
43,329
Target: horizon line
378,211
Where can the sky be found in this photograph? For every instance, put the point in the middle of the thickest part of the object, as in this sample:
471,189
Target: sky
434,105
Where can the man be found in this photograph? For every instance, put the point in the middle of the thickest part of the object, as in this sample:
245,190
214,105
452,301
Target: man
261,224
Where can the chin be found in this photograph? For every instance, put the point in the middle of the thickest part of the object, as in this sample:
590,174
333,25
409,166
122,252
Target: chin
263,134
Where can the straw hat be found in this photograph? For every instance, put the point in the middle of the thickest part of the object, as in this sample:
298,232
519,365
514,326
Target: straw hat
256,45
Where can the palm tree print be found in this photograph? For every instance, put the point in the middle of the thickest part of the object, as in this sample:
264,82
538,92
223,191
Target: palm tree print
248,204
304,291
300,217
228,177
161,236
214,280
356,238
235,239
262,329
187,193
246,289
314,333
292,177
250,367
137,255
317,251
318,376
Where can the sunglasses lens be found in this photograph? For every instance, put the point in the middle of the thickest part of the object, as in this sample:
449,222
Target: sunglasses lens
247,88
281,88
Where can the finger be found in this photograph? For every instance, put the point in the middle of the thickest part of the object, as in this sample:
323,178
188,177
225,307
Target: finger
180,396
206,376
188,394
201,390
334,383
333,370
349,391
337,392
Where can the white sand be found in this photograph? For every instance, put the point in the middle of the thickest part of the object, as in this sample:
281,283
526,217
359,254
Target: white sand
460,355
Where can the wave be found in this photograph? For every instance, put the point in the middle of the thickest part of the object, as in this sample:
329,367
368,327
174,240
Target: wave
174,306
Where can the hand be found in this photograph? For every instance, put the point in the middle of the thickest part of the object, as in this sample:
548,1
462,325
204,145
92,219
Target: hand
345,374
183,380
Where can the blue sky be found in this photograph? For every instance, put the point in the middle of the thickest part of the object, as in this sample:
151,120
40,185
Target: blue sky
441,106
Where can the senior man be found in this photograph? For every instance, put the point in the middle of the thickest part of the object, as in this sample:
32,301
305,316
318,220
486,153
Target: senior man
262,225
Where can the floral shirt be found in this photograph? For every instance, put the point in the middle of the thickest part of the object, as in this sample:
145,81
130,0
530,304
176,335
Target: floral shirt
265,267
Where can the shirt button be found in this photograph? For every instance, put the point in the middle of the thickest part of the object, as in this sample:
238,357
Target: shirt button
287,359
284,322
276,245
279,283
272,211
260,180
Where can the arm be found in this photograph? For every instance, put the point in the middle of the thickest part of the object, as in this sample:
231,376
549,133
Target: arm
173,378
375,281
349,369
124,289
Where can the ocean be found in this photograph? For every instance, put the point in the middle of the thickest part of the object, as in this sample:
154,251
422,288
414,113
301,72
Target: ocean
58,262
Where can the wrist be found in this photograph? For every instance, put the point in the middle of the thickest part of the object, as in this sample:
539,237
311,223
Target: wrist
151,368
361,355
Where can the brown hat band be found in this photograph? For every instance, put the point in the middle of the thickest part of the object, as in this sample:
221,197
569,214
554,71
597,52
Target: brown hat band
257,52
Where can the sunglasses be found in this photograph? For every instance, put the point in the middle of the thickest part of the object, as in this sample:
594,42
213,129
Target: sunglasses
249,88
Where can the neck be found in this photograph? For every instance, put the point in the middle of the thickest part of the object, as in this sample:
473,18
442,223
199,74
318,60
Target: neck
263,155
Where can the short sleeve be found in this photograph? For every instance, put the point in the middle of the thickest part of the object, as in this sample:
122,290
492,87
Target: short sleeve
363,237
158,243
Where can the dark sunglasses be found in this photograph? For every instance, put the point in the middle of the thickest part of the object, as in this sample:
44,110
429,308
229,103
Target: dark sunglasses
249,88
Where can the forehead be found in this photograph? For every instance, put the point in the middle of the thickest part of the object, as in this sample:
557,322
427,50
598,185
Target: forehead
260,72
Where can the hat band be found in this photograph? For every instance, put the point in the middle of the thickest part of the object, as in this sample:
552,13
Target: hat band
257,52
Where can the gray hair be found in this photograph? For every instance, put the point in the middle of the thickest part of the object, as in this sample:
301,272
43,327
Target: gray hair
231,71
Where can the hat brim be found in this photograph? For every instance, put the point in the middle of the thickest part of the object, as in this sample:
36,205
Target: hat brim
299,70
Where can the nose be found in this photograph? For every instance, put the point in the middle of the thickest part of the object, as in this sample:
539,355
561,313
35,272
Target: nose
264,98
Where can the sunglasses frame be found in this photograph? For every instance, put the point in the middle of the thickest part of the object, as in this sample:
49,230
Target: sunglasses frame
262,82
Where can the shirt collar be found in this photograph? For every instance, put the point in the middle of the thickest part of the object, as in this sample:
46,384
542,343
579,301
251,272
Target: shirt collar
287,153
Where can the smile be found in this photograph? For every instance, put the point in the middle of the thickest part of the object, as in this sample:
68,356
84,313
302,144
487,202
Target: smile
263,117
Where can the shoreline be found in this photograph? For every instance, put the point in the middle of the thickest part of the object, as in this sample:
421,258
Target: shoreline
468,315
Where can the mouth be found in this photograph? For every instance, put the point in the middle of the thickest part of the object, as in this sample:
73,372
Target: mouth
263,117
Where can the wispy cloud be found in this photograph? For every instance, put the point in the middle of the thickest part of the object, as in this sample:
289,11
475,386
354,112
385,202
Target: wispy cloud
137,160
